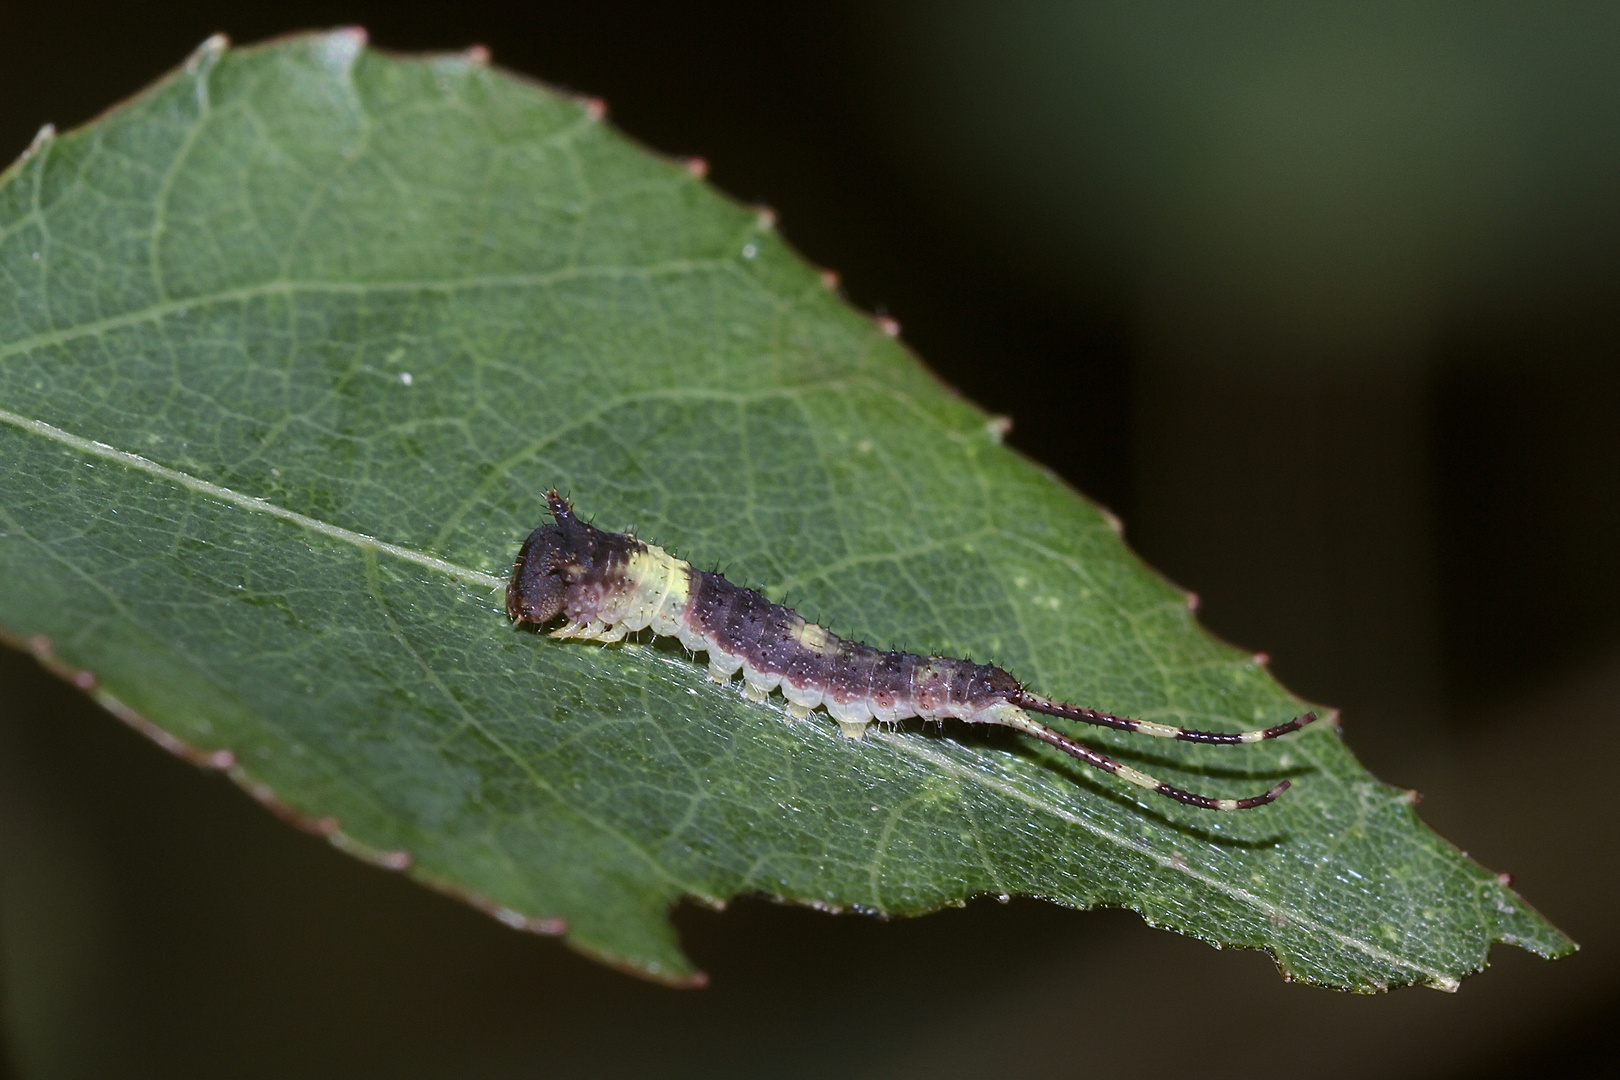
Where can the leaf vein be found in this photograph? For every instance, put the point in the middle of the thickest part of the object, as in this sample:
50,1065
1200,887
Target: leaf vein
944,762
250,502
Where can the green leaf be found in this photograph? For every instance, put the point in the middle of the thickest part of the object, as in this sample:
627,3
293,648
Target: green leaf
291,345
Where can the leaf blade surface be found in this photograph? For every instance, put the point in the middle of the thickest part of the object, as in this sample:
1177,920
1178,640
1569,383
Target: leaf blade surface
291,344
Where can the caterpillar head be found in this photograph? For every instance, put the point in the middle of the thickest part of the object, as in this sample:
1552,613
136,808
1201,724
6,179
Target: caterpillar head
565,567
546,565
540,577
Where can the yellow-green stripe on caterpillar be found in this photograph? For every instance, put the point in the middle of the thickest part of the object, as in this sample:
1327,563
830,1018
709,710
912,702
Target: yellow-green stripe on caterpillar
606,585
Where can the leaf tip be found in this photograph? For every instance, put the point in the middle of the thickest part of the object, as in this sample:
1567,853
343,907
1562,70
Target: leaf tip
396,860
387,858
697,167
675,979
477,54
205,55
340,48
552,927
42,138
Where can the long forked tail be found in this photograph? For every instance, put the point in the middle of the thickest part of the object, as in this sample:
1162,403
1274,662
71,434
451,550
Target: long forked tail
1014,719
1035,703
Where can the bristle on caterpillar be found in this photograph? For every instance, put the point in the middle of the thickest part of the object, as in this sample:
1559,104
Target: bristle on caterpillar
605,585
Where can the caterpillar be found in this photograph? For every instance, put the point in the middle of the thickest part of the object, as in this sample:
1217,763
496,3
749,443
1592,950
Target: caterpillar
606,585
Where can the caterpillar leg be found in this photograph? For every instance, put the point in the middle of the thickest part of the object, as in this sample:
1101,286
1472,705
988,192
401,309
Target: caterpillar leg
853,729
1013,717
595,630
1035,703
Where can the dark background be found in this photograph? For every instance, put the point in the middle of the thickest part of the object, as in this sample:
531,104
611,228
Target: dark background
1324,301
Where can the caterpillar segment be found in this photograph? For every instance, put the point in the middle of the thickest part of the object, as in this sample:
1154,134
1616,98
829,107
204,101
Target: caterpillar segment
606,585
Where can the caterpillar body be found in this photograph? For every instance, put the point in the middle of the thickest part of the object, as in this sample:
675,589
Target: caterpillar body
606,585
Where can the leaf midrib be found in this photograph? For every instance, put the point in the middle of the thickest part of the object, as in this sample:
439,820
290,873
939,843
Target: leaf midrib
366,543
945,763
250,502
934,758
